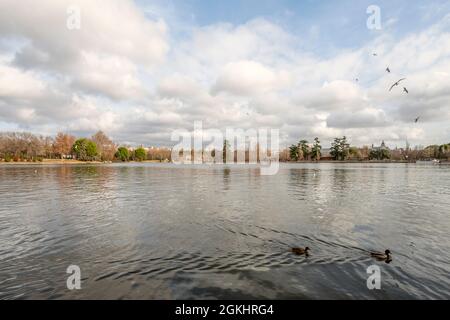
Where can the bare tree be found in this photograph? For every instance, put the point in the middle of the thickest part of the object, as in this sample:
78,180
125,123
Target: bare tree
63,143
47,145
160,154
22,145
105,146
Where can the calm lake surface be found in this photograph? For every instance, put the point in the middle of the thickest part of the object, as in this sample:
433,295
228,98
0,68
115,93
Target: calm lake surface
149,231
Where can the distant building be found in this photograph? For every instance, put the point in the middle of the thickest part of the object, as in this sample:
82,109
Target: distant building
381,147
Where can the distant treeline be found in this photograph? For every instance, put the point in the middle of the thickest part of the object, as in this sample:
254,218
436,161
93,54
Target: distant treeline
23,146
341,150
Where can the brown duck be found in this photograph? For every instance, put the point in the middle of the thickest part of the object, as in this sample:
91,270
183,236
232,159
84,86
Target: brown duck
300,251
386,256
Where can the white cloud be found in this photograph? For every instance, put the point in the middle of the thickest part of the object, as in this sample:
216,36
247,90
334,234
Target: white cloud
117,73
114,41
17,84
336,95
250,77
365,118
114,76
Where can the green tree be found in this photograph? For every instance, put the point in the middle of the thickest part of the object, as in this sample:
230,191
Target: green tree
303,145
385,154
316,151
340,148
293,152
226,149
373,154
140,154
379,154
354,153
123,154
85,150
335,151
444,151
345,146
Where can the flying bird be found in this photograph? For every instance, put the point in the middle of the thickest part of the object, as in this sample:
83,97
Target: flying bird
356,79
388,70
417,119
405,90
375,54
397,83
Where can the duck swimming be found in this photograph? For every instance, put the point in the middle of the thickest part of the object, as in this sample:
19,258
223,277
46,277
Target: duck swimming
386,256
300,251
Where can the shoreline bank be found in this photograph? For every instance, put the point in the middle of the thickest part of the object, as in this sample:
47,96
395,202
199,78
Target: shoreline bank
69,162
78,162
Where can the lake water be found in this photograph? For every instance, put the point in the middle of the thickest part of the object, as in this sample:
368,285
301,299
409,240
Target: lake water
148,231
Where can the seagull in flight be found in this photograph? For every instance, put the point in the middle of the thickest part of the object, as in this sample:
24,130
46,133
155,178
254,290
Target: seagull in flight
397,83
388,70
417,119
405,90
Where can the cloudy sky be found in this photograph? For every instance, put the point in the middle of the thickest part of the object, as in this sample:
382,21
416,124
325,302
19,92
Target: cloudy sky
140,69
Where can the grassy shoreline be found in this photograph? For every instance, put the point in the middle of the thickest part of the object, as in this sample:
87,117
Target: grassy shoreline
78,162
67,162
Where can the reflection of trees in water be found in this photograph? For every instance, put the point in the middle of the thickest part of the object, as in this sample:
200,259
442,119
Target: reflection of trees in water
86,195
226,178
340,181
82,197
93,179
299,182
